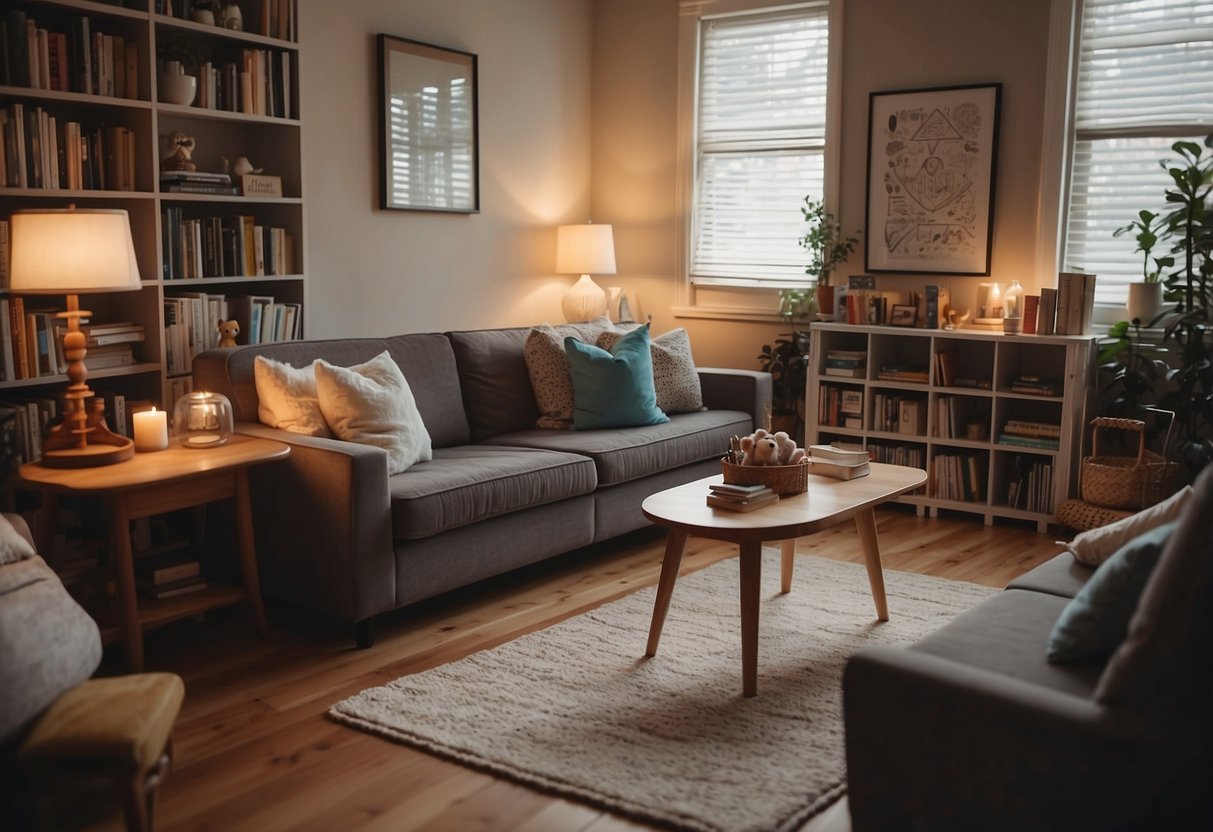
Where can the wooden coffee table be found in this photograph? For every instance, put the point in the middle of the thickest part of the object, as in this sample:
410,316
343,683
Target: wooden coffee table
827,502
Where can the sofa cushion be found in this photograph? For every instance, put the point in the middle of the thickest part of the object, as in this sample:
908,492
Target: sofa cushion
1097,618
14,546
675,378
429,364
469,483
493,376
613,389
1094,546
625,454
1007,634
371,404
287,398
1060,575
547,366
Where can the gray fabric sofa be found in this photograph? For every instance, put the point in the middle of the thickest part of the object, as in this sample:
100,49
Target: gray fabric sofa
971,728
336,534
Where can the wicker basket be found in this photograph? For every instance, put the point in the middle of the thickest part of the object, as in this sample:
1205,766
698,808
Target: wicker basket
1081,516
784,480
1124,482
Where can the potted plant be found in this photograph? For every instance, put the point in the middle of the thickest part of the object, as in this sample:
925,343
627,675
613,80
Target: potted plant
787,362
797,304
827,246
1145,298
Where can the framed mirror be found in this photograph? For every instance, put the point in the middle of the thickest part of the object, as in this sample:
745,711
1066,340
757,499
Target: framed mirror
428,136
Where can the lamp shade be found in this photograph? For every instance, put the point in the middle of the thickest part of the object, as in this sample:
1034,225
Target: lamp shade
585,249
69,250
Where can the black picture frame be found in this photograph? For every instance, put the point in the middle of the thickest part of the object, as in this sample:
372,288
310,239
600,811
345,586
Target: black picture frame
429,139
904,315
932,157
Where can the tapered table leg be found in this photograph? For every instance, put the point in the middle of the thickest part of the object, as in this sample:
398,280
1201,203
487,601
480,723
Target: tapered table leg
865,524
786,564
124,572
751,589
248,553
674,547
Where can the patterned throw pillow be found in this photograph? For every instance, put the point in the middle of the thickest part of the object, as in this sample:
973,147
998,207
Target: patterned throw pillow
548,367
674,374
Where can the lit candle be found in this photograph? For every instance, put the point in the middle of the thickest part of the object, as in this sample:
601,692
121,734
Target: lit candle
151,430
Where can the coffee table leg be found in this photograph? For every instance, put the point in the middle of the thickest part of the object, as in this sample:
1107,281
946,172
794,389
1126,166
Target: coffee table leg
865,524
789,561
665,588
751,590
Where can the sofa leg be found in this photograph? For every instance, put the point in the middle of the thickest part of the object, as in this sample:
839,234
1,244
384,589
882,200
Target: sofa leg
364,633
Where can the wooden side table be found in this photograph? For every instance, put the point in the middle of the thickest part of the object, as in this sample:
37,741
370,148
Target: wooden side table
155,483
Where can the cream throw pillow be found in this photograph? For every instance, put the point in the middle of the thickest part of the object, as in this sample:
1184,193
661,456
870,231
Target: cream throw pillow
13,545
548,366
286,397
1097,545
371,404
674,376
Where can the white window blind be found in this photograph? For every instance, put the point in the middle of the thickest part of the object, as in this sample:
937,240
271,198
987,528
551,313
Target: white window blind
1145,81
760,144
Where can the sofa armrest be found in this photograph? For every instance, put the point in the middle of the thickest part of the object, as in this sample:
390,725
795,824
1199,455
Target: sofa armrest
936,744
323,525
745,390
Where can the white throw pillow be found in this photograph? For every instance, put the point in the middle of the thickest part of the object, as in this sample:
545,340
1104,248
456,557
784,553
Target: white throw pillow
371,404
13,545
1095,546
286,397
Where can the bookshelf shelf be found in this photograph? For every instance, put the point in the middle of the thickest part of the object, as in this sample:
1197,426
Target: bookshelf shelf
277,223
985,470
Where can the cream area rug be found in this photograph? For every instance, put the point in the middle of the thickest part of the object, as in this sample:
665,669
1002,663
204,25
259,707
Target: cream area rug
577,710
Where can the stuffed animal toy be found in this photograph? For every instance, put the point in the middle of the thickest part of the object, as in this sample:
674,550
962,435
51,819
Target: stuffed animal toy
760,449
788,453
228,330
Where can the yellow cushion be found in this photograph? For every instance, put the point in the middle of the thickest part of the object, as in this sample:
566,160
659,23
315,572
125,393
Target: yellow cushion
125,720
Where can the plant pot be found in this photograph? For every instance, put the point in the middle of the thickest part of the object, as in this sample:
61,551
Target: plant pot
1145,301
176,87
825,303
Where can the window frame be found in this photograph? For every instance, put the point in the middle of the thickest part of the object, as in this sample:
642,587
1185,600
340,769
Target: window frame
744,299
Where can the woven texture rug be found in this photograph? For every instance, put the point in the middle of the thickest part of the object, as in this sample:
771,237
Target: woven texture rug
576,709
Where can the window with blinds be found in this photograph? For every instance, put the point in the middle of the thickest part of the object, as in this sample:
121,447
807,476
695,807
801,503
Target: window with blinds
760,144
1145,81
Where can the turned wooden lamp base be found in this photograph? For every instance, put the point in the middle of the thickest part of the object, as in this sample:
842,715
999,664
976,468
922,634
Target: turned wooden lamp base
82,440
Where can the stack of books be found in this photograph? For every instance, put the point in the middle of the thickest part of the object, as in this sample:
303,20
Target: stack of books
838,461
734,497
846,363
166,576
196,182
903,372
1028,434
1034,385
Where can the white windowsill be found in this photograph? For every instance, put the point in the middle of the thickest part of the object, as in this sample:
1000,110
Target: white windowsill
724,313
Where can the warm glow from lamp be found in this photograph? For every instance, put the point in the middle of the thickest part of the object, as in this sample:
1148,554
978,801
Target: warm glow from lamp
584,249
67,252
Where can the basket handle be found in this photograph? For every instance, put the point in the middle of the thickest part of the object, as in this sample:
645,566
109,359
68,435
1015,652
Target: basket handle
1136,425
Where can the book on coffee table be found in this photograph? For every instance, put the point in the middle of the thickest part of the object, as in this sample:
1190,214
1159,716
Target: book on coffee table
730,503
839,470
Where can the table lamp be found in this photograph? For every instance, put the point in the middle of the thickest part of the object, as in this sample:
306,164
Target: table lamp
584,249
69,251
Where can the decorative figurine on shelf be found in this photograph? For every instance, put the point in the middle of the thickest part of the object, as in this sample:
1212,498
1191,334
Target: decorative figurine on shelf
241,167
179,151
228,330
232,17
954,318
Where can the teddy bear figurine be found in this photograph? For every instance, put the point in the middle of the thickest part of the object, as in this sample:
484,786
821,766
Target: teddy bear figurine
228,330
788,452
760,448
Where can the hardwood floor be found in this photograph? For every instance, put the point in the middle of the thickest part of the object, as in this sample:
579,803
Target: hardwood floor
254,750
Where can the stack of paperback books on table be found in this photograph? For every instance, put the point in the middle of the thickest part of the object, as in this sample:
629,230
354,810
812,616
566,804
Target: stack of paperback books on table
839,462
740,497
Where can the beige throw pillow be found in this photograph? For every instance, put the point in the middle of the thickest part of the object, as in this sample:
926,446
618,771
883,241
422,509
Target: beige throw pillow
13,545
1097,545
674,376
286,397
371,404
548,367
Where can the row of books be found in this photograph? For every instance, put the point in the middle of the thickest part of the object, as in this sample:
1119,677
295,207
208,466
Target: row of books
914,456
224,246
26,422
275,18
953,415
1030,486
255,82
38,151
191,321
846,363
1066,310
959,476
898,413
33,342
80,59
735,497
840,406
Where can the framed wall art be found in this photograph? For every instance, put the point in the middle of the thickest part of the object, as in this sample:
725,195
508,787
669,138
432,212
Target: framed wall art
931,162
428,133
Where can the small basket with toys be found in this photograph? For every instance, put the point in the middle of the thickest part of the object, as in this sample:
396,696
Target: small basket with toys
770,459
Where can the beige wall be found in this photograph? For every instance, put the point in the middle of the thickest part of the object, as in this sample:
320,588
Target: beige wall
375,272
888,44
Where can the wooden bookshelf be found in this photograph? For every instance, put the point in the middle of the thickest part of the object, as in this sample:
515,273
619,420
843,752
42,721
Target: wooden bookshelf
970,469
270,142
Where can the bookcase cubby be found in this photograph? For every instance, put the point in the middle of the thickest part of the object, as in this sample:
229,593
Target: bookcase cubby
110,116
996,420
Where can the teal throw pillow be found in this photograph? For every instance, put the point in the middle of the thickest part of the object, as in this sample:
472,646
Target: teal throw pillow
1096,620
613,389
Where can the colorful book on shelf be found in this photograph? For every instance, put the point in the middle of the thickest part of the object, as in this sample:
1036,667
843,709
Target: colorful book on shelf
1023,427
838,470
1042,442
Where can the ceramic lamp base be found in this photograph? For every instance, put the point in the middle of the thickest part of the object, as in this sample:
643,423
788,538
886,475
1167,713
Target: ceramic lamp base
584,301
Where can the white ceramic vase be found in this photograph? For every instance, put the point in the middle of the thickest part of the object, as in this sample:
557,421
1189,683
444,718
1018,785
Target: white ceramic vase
174,86
1145,301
